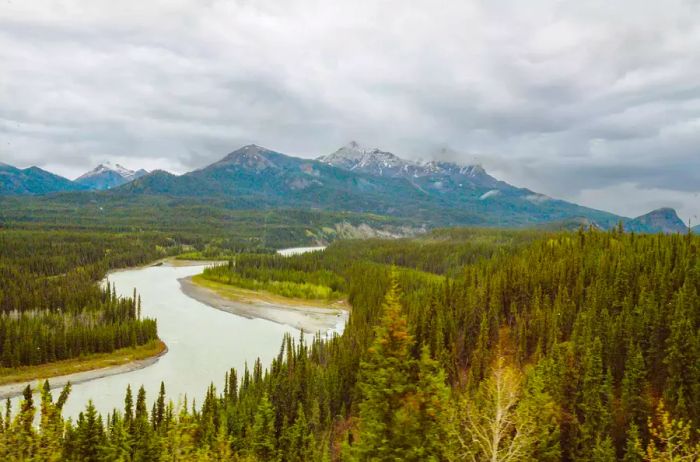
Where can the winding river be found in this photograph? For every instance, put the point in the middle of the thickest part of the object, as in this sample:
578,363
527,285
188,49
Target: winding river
203,342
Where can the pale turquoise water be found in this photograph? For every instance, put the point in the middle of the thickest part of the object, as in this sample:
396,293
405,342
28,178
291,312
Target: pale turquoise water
203,343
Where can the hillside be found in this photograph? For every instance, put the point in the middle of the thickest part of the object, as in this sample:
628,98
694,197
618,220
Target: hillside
32,180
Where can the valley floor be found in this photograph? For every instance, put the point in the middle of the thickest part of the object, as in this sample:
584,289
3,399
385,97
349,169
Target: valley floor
309,316
77,370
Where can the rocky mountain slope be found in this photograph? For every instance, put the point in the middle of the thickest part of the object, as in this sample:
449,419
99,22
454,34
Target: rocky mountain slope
663,220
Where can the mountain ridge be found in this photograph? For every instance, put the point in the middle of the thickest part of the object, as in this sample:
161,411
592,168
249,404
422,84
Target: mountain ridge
107,176
440,192
32,181
353,179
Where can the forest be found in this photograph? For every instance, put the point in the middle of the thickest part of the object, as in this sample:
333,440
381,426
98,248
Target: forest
477,345
51,307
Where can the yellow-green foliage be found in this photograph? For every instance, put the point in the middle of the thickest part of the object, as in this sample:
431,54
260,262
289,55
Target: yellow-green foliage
289,289
270,273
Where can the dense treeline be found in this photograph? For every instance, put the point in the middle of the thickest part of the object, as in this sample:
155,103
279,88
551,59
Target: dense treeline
442,251
270,273
577,347
51,305
212,224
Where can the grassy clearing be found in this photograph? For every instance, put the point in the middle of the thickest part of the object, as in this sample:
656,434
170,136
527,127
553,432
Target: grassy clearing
239,294
86,363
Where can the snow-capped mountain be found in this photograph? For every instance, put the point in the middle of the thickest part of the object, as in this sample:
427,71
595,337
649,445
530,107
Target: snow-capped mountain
437,173
354,179
352,156
107,176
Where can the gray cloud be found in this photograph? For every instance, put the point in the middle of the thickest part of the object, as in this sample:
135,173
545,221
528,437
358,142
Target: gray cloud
580,100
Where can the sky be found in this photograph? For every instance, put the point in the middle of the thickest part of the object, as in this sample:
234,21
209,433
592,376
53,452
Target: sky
595,102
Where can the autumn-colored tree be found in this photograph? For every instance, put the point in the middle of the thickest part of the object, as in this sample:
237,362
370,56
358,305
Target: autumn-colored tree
404,400
672,440
490,428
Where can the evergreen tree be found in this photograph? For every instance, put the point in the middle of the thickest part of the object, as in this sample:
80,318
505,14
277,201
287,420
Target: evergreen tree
633,446
385,385
264,444
90,436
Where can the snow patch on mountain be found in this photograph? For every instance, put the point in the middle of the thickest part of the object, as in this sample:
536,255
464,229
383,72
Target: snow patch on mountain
108,176
352,156
374,161
106,167
538,198
487,194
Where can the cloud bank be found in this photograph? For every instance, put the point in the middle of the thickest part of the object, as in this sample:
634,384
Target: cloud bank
596,102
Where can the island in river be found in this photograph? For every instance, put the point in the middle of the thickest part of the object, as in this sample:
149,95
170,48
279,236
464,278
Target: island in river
203,343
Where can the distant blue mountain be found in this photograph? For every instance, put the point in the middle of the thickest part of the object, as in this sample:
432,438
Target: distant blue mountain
664,220
352,179
32,180
35,181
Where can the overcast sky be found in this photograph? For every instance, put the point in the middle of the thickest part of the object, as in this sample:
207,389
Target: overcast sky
596,102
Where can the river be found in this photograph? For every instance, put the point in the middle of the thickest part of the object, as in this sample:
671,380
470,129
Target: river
203,343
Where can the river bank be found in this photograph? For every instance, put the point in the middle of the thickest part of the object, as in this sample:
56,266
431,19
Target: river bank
203,342
93,367
301,315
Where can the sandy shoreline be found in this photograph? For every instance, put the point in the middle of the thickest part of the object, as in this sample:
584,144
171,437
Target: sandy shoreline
306,318
15,389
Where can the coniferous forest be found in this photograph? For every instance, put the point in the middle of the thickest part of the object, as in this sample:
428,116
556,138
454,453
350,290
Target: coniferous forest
477,345
51,307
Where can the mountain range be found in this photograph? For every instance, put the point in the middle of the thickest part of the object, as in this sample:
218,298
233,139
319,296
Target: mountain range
36,181
32,180
108,176
354,179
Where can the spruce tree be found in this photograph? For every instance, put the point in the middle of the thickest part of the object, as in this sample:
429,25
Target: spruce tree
263,444
385,383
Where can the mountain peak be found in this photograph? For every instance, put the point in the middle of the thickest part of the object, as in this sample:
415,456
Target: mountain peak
32,180
661,220
108,167
434,173
665,211
247,150
353,156
250,156
107,175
